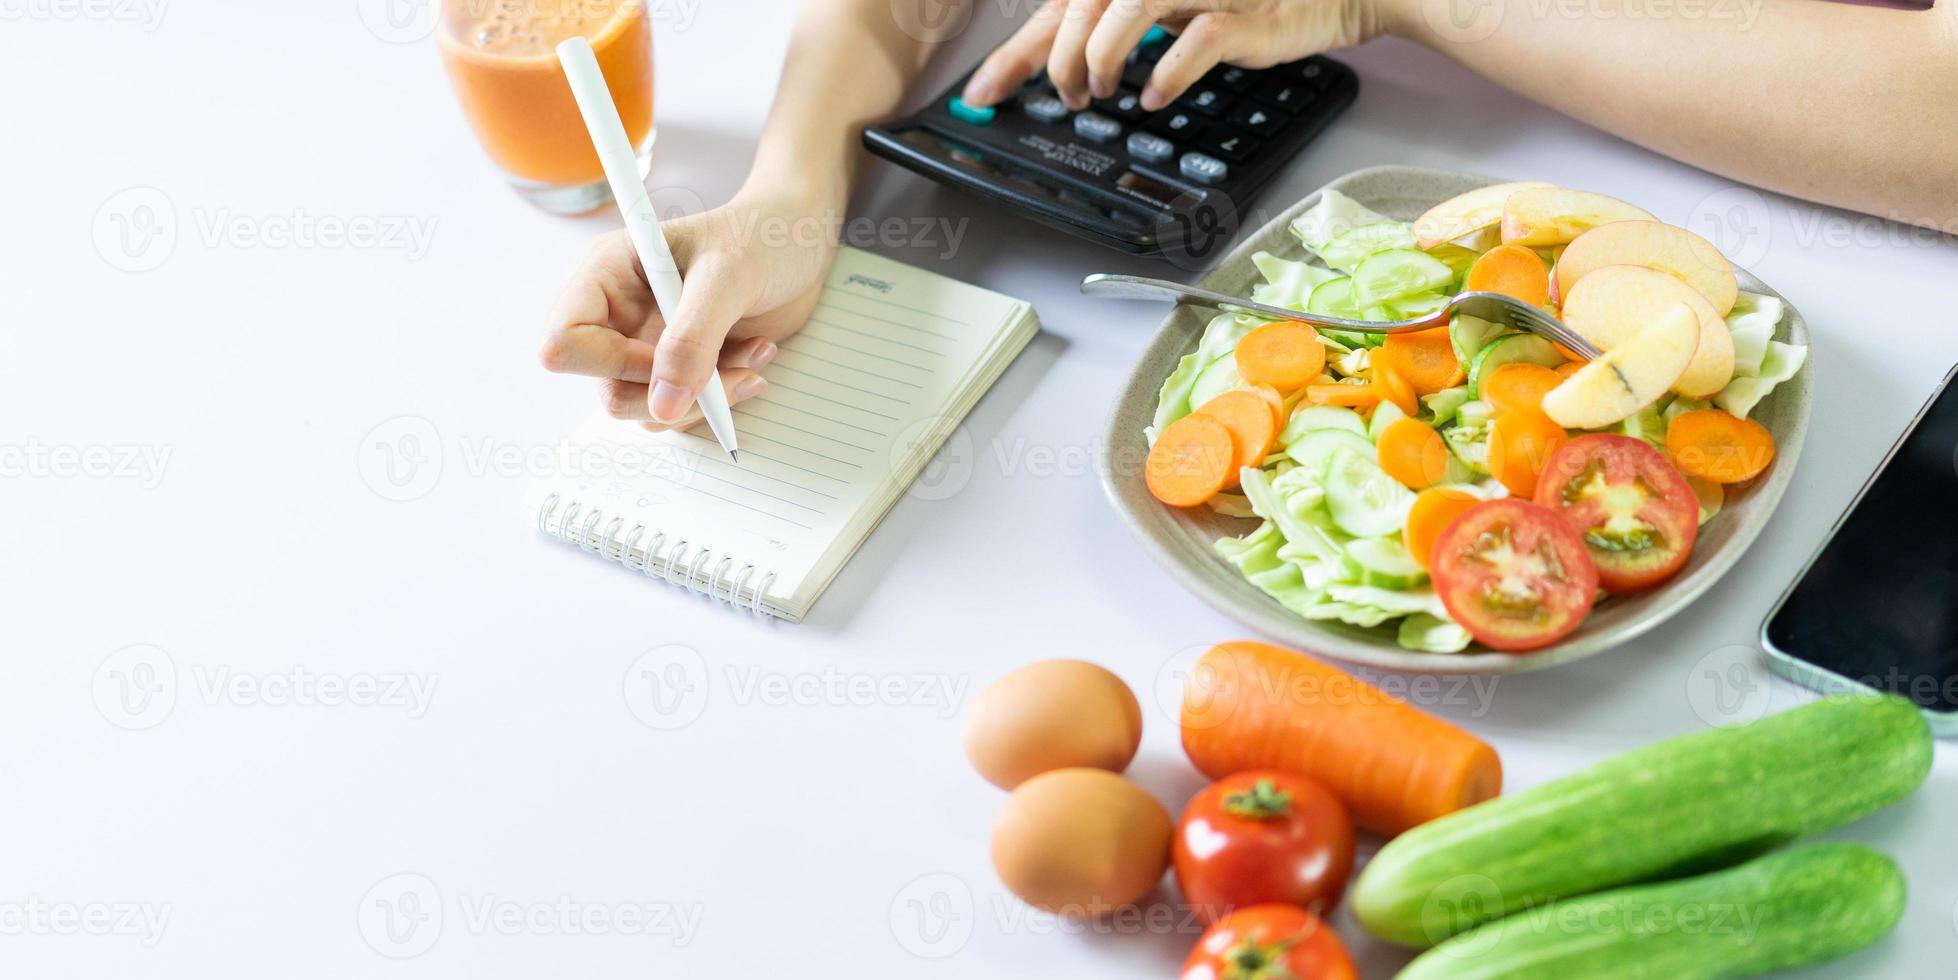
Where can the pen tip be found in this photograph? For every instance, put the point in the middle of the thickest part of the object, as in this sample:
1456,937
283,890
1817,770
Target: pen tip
734,454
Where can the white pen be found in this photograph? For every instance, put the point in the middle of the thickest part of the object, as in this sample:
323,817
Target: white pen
641,221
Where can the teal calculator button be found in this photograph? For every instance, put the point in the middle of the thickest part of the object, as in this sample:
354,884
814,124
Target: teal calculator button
978,116
1156,35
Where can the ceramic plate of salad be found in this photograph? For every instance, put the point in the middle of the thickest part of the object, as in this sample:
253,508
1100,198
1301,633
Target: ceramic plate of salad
1463,498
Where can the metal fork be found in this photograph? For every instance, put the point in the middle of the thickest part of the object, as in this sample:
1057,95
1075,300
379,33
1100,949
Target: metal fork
1494,307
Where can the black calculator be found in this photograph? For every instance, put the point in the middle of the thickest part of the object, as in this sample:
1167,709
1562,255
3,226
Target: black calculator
1174,183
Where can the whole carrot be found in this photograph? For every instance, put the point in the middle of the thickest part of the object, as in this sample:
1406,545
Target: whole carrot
1252,705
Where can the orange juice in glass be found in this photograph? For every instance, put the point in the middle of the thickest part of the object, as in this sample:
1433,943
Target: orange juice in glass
499,54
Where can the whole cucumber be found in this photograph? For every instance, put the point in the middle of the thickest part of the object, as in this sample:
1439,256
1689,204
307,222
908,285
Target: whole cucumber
1796,908
1678,807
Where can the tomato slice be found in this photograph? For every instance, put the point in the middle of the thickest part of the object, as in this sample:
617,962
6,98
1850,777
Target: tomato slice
1514,574
1636,513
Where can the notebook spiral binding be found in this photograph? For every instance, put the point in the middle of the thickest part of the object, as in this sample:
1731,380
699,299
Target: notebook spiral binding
585,534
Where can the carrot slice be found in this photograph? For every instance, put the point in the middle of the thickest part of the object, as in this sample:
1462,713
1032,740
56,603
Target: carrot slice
1253,423
1511,270
1426,359
1190,461
1520,443
1278,406
1251,705
1434,509
1285,355
1518,385
1343,396
1412,452
1390,384
1568,368
1714,445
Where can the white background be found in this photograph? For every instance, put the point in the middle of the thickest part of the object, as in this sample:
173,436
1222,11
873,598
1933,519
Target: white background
812,834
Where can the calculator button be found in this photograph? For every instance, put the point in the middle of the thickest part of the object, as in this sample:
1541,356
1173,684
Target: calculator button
1097,127
976,115
1228,145
1204,169
1261,121
1045,108
1157,35
1176,124
1315,73
1125,106
1232,77
1209,101
1290,96
1150,148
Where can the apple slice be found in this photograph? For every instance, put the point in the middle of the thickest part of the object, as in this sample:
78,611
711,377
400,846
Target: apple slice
1655,245
1609,305
1627,377
1555,215
1466,214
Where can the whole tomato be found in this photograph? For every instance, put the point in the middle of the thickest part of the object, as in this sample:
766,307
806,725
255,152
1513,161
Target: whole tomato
1256,837
1269,942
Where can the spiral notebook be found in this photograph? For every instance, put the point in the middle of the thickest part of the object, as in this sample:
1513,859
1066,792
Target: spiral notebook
857,402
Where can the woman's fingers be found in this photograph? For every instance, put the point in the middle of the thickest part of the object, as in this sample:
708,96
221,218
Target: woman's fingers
627,401
1111,40
1067,66
1205,41
1012,63
597,351
719,291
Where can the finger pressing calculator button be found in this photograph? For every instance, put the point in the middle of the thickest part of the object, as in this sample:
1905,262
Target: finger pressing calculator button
1045,108
1097,127
1256,118
1150,148
1203,168
976,115
1125,106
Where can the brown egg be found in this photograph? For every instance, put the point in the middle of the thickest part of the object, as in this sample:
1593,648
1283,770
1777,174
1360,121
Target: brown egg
1081,842
1051,715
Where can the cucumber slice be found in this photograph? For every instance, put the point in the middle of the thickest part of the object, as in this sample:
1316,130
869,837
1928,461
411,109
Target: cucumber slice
1470,447
1334,297
1315,450
1306,418
1384,414
1217,377
1351,247
1524,348
1469,335
1456,258
1475,414
1362,499
1418,306
1397,274
1445,403
1384,563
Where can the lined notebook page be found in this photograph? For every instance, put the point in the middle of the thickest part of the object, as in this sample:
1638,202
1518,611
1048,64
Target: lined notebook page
885,362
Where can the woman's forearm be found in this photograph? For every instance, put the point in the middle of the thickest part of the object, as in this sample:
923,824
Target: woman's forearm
1848,105
849,64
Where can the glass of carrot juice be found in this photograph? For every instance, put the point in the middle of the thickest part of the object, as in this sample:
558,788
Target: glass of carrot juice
500,57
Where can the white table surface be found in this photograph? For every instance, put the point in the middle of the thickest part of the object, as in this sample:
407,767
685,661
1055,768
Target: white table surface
193,459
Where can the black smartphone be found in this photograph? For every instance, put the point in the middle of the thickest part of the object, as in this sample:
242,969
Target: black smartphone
1877,606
